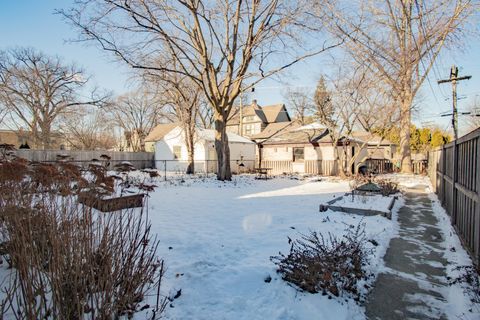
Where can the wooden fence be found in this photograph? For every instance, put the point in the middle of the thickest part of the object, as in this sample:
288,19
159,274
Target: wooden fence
140,160
380,166
453,170
320,167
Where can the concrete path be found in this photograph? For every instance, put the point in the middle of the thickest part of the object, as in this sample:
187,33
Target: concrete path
411,286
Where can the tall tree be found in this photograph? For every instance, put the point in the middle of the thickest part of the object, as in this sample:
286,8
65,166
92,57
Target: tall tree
352,102
299,100
38,88
224,47
89,129
338,110
137,113
399,41
473,119
323,103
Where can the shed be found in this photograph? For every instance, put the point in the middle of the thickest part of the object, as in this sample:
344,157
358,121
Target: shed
171,150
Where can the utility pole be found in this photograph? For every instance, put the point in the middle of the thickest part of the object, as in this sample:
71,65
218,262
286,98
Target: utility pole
453,79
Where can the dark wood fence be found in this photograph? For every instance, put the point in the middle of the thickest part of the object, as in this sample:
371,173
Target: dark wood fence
453,170
379,166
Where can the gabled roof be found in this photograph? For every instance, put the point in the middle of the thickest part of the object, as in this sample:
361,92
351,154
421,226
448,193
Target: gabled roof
296,134
160,131
272,112
272,129
370,138
267,114
209,135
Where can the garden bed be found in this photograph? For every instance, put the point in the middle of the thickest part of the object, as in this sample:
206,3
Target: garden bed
110,204
362,204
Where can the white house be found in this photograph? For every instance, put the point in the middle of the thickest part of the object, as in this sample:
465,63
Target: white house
171,150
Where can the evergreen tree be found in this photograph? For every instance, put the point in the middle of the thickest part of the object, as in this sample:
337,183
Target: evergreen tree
323,102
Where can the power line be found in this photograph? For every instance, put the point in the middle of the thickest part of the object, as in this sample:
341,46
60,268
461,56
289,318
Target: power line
453,80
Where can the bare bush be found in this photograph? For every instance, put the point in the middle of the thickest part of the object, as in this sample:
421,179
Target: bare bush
70,261
388,187
331,265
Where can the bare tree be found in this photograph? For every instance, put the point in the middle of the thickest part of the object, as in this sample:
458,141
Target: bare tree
338,110
473,119
38,88
399,40
300,101
184,99
137,113
89,129
3,112
352,102
224,47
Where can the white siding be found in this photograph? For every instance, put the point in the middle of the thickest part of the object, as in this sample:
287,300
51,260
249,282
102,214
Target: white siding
204,153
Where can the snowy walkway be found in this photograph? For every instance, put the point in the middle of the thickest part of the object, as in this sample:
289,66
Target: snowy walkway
413,284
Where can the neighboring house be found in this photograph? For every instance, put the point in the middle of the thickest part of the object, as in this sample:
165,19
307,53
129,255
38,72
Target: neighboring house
171,150
306,149
378,148
18,138
157,134
256,119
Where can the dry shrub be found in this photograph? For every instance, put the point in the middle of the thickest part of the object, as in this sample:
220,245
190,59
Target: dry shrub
388,187
333,265
70,261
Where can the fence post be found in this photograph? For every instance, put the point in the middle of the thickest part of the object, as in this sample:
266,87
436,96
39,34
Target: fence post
444,172
165,169
455,179
477,213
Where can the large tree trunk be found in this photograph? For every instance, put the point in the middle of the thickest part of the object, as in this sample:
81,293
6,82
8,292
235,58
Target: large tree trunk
141,138
189,139
45,137
221,147
340,161
405,118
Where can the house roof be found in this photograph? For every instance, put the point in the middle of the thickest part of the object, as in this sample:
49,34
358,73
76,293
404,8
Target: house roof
160,131
209,135
370,138
311,126
272,112
267,114
272,129
294,135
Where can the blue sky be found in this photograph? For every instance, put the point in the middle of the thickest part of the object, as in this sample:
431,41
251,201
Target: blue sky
32,23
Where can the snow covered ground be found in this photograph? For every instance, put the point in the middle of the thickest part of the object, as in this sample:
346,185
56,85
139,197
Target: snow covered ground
217,239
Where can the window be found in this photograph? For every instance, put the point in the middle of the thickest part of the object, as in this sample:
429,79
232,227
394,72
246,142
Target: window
177,152
248,129
248,118
298,154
